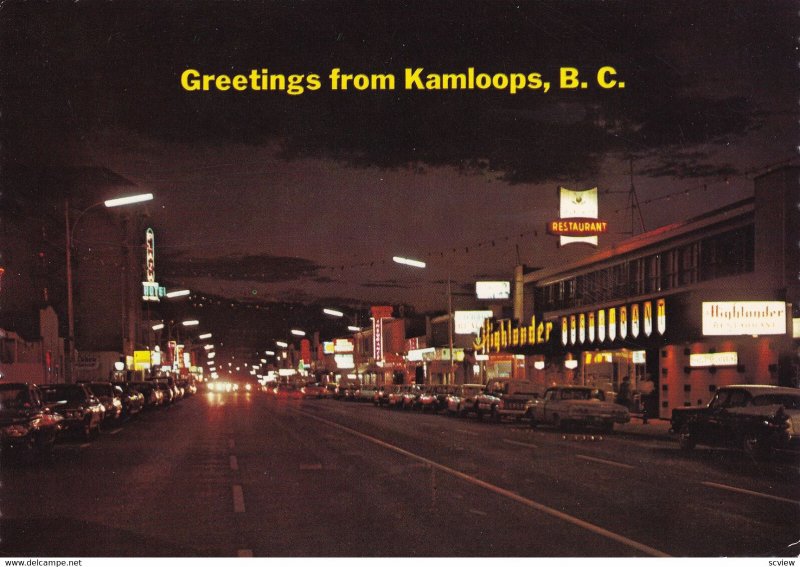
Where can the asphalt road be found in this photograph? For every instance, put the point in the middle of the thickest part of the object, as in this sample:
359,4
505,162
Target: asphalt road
246,474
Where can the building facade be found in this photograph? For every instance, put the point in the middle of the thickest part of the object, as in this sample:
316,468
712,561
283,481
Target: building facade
678,311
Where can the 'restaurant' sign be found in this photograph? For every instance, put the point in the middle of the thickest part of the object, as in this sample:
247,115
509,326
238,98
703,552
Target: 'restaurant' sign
379,313
634,320
744,318
578,220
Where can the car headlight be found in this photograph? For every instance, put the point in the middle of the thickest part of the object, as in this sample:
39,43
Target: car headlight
117,403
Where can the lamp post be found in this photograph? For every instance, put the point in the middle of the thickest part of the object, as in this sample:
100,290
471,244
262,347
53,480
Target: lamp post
70,232
420,264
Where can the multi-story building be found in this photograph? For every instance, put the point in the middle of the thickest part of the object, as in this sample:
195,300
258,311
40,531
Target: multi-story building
680,310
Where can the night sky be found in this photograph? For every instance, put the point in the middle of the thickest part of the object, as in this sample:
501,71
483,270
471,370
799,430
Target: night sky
277,197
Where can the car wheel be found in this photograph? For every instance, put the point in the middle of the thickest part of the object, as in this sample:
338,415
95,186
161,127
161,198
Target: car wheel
755,446
495,415
461,411
557,423
87,429
686,439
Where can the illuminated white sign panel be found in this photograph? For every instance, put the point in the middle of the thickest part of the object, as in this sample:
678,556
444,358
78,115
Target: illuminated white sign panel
328,347
713,359
639,357
744,318
343,345
493,290
344,361
578,204
470,322
418,354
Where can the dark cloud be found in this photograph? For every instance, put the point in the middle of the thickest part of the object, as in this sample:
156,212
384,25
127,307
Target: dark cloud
92,65
263,268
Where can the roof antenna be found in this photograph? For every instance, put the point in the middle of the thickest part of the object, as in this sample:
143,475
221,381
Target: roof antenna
633,203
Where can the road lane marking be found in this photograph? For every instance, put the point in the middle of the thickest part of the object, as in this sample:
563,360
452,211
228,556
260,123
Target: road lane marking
244,553
311,467
234,463
605,462
520,443
231,444
85,445
238,499
115,431
467,432
477,512
500,491
750,492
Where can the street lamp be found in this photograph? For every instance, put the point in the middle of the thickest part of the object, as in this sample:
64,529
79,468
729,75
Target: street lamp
420,264
298,333
178,293
70,232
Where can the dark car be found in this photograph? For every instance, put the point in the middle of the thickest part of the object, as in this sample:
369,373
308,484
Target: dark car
434,398
152,395
109,397
132,399
25,421
81,410
759,419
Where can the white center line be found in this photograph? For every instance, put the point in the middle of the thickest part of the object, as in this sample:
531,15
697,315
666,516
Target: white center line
750,492
234,463
605,462
115,431
498,490
520,443
238,499
85,445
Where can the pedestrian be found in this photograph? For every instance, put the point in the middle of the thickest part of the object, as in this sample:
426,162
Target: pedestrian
624,394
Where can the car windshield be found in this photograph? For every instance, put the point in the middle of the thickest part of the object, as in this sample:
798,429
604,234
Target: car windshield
14,397
788,401
64,393
471,391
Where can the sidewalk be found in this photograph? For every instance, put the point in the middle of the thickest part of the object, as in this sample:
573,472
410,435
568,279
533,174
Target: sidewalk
654,428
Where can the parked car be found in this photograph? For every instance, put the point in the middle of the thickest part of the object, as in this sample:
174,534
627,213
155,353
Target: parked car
81,411
167,393
26,423
433,398
132,399
463,399
758,419
366,393
505,397
381,397
565,407
109,397
394,399
411,396
153,397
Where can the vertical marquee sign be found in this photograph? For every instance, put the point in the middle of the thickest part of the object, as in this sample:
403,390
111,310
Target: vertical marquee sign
379,313
151,291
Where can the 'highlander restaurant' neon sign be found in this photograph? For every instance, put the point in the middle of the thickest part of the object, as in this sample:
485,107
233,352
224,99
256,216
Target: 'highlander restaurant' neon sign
635,319
592,327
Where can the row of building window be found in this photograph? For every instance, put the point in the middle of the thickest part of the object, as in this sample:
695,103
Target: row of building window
709,258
